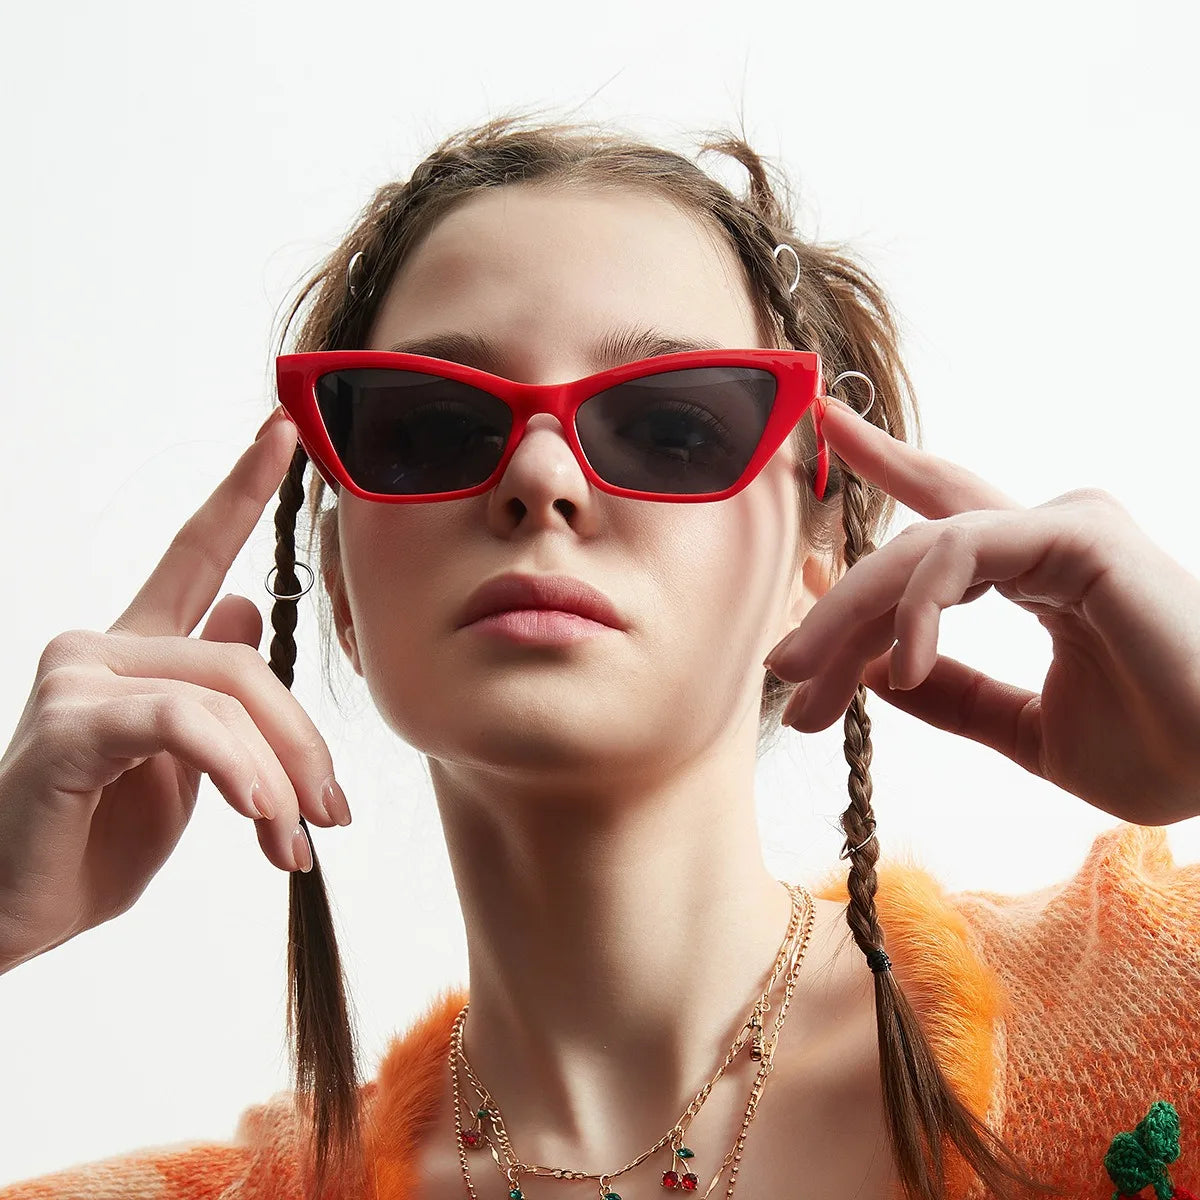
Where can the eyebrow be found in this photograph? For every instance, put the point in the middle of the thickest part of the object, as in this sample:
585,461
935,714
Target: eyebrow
618,346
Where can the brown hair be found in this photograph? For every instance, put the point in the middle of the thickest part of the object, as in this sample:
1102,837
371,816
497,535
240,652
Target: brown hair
837,311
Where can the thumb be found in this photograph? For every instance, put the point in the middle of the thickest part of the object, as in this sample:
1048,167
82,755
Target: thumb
964,701
234,619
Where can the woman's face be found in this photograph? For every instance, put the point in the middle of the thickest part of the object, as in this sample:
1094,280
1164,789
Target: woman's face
705,590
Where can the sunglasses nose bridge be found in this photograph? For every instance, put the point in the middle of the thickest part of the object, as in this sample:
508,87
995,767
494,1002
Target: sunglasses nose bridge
539,406
531,399
531,402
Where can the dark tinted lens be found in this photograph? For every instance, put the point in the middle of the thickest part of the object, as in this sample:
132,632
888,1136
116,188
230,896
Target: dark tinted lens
677,432
401,433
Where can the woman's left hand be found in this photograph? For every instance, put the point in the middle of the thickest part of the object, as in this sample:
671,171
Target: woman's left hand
1117,721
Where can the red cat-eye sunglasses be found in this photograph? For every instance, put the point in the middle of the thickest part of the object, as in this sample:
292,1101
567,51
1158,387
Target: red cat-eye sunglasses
697,425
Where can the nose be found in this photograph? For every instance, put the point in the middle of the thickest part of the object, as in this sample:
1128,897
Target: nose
543,483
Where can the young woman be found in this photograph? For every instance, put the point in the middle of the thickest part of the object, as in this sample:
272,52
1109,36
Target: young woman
568,401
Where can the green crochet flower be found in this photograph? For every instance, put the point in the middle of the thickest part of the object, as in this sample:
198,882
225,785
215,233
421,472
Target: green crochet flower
1140,1158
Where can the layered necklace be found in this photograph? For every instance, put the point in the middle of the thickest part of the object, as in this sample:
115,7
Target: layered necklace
679,1176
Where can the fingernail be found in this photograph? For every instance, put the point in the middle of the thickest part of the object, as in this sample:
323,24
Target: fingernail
279,413
778,650
795,704
334,800
845,406
301,850
258,798
785,658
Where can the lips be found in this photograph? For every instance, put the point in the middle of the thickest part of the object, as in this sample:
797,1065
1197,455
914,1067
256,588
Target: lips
506,593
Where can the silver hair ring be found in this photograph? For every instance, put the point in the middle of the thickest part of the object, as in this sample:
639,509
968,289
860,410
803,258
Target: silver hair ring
856,375
846,853
350,277
300,566
792,251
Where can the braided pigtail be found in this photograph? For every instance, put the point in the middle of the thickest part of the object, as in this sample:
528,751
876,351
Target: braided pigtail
826,313
321,1040
923,1112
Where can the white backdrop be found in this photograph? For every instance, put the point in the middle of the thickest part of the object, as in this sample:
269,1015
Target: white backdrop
1023,182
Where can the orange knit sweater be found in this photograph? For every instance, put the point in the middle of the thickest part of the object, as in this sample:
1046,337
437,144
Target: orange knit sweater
1059,1015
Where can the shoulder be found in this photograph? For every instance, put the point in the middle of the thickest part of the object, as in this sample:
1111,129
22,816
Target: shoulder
407,1094
1128,902
259,1163
1063,1013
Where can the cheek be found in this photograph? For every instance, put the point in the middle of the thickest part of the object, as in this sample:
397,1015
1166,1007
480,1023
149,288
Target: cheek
393,559
727,572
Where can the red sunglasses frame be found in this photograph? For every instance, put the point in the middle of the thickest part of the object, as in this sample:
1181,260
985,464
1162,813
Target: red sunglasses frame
798,385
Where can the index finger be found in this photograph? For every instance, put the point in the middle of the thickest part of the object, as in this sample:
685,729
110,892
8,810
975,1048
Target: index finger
181,589
932,486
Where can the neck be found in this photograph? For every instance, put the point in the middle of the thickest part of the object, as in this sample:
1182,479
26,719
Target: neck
614,948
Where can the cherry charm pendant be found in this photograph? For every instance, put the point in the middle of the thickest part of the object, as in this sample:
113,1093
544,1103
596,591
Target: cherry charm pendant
672,1180
472,1138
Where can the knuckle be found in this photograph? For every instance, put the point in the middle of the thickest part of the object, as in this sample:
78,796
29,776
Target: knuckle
314,753
68,646
301,752
953,538
240,659
62,686
245,653
173,714
1096,496
226,708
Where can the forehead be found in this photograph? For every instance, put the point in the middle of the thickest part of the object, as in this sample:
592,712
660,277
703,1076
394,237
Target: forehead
534,266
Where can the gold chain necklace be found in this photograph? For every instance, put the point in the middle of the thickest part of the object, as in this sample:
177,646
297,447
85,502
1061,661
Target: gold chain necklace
761,1051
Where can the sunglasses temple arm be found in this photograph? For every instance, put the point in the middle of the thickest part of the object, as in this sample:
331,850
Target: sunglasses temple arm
822,475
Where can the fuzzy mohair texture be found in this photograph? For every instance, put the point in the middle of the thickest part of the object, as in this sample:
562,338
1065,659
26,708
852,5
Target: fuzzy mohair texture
1059,1016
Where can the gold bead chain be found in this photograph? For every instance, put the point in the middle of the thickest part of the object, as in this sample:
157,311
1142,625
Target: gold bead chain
762,1051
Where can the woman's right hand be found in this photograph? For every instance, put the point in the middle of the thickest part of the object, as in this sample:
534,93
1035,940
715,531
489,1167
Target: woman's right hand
102,774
